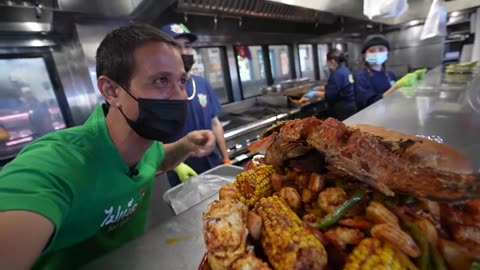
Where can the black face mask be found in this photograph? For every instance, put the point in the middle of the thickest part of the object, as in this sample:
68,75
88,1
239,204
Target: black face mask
188,61
158,119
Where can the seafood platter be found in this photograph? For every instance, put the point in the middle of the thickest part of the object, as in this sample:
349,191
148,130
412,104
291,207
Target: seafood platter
330,196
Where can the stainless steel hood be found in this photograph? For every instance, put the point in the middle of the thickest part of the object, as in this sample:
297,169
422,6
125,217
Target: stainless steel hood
40,16
105,8
25,19
255,8
418,9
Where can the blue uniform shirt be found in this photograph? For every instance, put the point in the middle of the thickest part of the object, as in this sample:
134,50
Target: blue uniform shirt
371,84
201,110
339,93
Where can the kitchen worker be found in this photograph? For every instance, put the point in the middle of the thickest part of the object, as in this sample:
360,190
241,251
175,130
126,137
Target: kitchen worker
339,91
75,194
374,81
202,111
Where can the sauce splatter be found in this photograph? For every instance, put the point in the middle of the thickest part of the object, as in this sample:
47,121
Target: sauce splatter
176,239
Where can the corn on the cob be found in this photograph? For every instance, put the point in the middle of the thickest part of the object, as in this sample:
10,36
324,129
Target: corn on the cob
286,242
254,184
373,254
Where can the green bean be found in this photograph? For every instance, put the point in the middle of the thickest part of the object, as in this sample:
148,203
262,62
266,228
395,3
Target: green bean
437,259
475,265
414,231
338,212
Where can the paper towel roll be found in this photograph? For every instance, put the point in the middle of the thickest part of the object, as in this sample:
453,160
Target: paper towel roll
476,43
467,51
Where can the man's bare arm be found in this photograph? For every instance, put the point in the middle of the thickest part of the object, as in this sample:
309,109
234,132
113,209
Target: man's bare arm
217,129
23,236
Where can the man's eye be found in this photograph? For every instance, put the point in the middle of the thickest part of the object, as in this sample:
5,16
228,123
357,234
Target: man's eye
161,81
183,81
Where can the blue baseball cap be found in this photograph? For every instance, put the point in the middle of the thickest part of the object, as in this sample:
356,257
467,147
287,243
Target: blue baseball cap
176,30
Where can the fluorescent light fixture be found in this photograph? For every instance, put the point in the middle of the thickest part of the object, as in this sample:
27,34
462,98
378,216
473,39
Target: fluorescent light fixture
23,140
414,22
36,43
36,27
455,13
18,116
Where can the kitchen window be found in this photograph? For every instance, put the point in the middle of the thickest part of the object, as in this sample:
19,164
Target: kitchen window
251,67
208,64
322,50
280,63
28,105
305,52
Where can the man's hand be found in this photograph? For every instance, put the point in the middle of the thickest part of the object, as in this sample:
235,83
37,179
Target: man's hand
199,143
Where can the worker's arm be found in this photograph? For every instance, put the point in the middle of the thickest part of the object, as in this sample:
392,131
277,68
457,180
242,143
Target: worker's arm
23,236
217,129
198,143
390,90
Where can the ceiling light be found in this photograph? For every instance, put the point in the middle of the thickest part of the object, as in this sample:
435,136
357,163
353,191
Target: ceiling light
455,13
414,22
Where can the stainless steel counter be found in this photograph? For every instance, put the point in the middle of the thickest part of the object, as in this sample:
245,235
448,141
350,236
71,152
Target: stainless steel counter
174,244
450,112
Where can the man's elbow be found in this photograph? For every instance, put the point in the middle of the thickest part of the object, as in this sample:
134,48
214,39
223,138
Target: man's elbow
216,125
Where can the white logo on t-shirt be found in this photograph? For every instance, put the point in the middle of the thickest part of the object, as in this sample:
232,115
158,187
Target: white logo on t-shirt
113,217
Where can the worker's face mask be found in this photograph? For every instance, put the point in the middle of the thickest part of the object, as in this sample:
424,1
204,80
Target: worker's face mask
376,58
158,119
188,61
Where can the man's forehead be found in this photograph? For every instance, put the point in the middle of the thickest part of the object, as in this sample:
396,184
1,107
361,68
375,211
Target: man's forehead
158,58
154,52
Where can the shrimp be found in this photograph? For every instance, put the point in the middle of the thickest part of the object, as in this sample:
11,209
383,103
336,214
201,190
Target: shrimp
340,237
331,198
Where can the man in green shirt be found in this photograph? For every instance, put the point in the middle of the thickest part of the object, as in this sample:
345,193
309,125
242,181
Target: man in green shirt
75,194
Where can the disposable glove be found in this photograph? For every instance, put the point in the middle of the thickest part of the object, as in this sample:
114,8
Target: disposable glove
420,73
184,172
310,94
408,80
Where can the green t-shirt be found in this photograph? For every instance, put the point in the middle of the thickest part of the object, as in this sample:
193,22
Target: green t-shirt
77,179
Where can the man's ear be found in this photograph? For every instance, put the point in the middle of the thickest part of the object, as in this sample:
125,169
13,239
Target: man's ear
108,89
